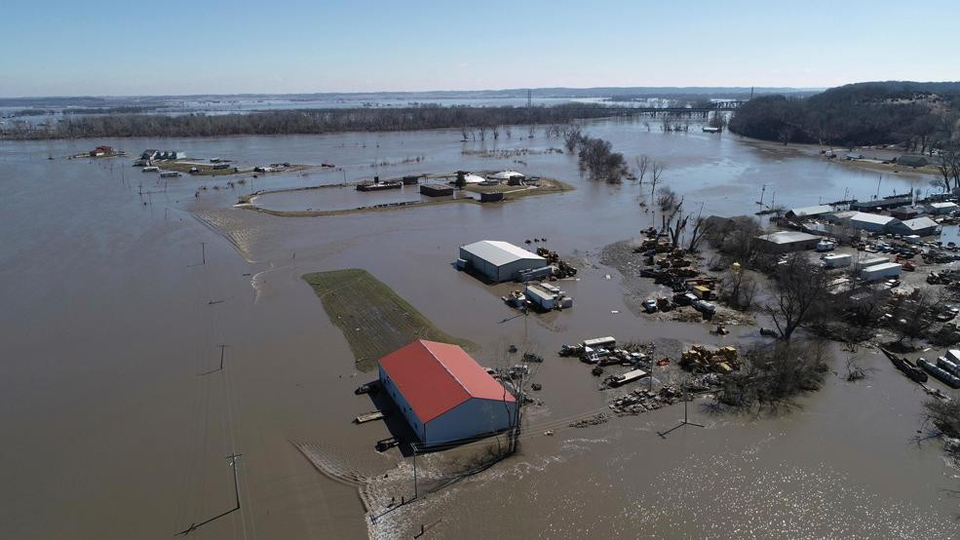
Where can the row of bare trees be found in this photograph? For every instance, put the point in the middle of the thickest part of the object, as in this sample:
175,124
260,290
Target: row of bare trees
474,121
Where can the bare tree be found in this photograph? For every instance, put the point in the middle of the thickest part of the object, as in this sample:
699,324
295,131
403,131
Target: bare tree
914,314
738,288
799,286
701,227
656,171
643,162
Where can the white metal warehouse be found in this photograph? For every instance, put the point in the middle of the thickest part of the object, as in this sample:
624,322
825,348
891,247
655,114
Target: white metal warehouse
444,394
498,260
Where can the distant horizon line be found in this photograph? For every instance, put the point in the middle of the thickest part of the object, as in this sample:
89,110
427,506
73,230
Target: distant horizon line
519,90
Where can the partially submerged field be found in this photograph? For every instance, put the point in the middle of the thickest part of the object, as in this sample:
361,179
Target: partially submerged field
374,319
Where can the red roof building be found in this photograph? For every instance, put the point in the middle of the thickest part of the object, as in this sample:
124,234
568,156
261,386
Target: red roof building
444,394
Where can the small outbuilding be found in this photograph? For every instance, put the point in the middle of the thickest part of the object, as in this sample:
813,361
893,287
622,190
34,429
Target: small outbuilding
436,190
787,241
499,260
906,212
912,161
444,394
940,208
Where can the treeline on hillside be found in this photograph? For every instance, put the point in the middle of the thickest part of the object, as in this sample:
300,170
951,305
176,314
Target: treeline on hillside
308,121
920,116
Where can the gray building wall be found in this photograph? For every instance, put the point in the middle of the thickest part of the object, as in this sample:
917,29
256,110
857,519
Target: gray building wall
506,272
471,418
402,404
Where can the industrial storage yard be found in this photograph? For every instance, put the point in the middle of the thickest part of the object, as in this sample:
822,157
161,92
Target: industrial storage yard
564,357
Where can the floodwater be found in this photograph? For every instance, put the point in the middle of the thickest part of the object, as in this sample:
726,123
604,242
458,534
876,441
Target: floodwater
118,290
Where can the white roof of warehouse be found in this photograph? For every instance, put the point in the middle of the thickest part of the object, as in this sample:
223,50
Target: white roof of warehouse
499,253
788,237
865,217
939,205
811,210
506,175
920,223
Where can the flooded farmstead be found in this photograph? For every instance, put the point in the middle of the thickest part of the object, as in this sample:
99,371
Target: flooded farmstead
276,352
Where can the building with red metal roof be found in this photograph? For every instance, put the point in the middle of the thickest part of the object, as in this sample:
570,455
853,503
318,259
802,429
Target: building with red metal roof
444,394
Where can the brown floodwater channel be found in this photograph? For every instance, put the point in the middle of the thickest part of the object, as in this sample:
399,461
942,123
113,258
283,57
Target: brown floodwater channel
120,288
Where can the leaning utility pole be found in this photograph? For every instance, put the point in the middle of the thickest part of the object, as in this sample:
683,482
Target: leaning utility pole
236,493
222,347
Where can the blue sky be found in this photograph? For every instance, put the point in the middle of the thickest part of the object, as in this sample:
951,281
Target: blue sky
285,46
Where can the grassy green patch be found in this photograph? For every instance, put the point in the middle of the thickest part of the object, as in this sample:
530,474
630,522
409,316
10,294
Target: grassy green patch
373,318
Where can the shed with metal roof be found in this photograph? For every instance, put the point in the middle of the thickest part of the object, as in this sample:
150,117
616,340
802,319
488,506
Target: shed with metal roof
444,394
499,260
872,222
785,241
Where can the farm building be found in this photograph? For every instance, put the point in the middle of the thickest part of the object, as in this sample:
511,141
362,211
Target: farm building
443,394
436,190
921,226
912,161
940,208
809,212
840,217
872,222
880,204
499,261
786,241
906,212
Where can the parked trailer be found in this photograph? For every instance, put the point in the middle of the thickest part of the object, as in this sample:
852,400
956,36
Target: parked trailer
837,260
880,271
871,261
943,375
603,342
628,377
543,299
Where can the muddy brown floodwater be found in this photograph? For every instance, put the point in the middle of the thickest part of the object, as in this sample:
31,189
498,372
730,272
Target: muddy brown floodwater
117,419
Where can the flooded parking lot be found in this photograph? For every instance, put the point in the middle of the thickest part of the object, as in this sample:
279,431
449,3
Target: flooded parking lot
119,289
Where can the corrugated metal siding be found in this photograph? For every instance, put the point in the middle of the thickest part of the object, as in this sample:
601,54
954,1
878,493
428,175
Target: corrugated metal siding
471,418
405,409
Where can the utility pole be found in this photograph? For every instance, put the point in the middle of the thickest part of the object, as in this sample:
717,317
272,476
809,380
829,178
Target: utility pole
203,252
685,421
222,347
415,490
